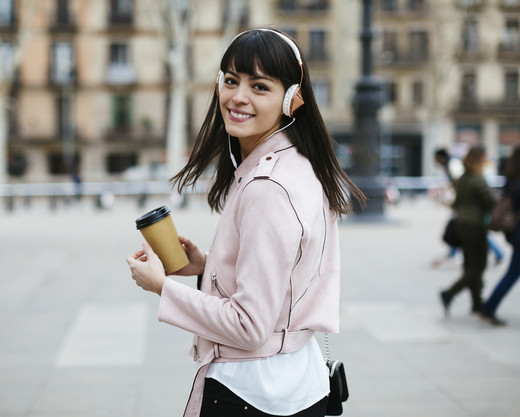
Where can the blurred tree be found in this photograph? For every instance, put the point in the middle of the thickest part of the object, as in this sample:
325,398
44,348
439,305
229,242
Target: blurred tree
176,23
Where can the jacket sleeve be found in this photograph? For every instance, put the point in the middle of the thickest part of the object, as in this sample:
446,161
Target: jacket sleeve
270,236
485,195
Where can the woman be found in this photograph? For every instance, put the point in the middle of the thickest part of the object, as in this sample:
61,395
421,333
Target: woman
270,279
512,187
474,201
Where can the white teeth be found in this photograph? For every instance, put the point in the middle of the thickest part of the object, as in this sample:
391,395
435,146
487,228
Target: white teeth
240,115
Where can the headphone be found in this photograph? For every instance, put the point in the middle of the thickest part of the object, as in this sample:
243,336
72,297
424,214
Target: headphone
293,99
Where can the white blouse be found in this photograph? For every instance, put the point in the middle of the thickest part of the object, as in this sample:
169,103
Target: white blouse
283,384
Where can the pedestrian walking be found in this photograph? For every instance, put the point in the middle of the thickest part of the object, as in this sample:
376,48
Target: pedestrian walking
512,187
474,201
443,159
270,278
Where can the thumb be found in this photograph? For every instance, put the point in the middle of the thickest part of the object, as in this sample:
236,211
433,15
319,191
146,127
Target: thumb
148,250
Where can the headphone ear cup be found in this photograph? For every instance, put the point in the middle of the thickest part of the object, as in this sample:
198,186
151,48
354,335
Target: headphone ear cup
219,83
292,100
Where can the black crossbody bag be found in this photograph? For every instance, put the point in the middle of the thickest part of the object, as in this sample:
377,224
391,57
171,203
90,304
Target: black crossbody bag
338,383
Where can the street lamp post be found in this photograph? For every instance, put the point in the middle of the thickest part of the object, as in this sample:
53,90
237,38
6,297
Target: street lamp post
366,103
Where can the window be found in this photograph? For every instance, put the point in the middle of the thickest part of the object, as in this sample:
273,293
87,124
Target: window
121,112
62,12
121,11
118,162
469,87
59,164
6,60
317,45
418,45
62,66
511,86
417,93
321,92
390,92
291,32
470,35
389,5
119,53
389,52
119,70
512,33
6,12
65,118
416,5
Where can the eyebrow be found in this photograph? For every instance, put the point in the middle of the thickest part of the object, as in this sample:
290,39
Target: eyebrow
254,77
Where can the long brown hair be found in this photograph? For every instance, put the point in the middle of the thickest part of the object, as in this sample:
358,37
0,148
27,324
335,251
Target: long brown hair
472,162
266,51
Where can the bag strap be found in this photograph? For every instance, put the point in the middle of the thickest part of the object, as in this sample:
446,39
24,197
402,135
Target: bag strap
327,349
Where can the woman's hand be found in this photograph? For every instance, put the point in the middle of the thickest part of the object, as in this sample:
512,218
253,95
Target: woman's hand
147,269
196,257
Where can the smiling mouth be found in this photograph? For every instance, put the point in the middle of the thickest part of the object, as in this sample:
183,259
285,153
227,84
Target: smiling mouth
241,115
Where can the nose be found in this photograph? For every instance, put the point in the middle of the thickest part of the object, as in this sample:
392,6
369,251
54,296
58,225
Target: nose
240,95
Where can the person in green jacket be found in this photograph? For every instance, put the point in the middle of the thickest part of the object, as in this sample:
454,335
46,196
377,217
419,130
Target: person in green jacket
473,203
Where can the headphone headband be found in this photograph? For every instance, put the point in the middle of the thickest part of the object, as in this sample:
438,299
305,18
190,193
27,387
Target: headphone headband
288,40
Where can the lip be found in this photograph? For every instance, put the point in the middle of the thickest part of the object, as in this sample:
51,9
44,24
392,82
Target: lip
239,116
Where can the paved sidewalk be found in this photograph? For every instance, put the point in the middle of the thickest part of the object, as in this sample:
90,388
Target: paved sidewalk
79,339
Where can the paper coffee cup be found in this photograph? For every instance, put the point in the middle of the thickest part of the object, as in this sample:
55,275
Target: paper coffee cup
159,231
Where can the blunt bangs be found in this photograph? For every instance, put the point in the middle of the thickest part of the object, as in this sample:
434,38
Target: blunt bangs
262,51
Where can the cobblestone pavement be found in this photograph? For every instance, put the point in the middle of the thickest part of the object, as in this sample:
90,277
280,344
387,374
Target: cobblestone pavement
79,339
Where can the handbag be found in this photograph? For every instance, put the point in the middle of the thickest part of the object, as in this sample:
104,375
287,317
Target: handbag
450,234
503,216
338,383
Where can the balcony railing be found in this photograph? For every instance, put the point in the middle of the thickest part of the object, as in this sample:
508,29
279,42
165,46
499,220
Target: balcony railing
62,78
62,22
120,19
474,5
120,74
132,133
404,10
296,6
509,51
508,106
470,54
510,5
399,58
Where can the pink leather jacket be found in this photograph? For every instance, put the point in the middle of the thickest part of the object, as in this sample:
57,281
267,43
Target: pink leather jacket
272,272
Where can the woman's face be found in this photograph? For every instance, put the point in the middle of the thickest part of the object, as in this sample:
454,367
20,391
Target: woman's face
251,106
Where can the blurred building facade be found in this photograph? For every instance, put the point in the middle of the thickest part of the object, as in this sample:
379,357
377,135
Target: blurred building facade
90,94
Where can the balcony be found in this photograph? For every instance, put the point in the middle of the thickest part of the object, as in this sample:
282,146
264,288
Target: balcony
62,78
120,74
509,51
120,21
303,6
133,134
63,23
470,54
507,108
510,6
410,10
470,5
400,59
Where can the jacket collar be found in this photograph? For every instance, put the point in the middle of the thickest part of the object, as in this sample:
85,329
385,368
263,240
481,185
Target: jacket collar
275,143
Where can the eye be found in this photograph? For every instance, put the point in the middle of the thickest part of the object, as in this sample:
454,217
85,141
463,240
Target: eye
229,80
261,87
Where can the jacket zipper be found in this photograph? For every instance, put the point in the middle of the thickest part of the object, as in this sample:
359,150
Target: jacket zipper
215,285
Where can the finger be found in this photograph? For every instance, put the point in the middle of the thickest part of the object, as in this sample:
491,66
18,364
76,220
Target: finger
137,255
